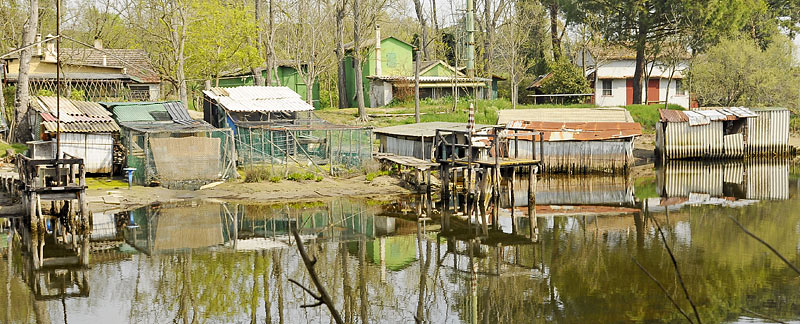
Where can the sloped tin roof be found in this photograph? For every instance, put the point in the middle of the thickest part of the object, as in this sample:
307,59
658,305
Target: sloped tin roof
699,117
76,116
258,99
579,131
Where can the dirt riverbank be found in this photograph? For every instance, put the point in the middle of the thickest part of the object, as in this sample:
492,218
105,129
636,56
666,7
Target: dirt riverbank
102,199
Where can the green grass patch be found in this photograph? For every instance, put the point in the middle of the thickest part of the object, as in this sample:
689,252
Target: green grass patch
17,147
647,115
300,176
105,183
645,187
372,175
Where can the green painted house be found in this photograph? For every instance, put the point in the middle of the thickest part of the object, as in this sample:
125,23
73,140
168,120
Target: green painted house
286,74
395,78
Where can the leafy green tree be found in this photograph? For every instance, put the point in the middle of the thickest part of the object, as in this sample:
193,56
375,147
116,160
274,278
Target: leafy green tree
736,72
566,78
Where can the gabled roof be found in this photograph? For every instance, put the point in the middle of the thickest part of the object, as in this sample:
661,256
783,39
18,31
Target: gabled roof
76,116
135,61
370,42
426,66
255,98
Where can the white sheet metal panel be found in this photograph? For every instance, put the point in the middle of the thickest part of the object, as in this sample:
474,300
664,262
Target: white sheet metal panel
768,133
406,147
733,145
685,141
103,227
96,150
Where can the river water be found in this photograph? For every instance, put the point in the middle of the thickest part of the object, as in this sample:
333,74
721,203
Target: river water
213,262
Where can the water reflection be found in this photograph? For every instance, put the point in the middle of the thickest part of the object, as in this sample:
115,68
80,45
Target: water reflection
224,262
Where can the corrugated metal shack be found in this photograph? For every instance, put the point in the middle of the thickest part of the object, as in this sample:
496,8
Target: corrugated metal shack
744,179
414,140
87,131
722,133
576,140
167,146
274,125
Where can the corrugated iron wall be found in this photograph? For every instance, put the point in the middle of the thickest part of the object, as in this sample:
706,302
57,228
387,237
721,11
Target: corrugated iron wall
610,156
747,179
96,150
768,133
406,147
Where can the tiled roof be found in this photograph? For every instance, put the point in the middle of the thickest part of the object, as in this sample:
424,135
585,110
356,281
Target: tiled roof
76,116
135,61
254,98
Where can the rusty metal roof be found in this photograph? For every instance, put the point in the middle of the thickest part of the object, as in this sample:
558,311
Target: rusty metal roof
580,131
76,116
704,116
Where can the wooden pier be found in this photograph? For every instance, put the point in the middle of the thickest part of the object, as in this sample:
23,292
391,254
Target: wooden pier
65,221
471,174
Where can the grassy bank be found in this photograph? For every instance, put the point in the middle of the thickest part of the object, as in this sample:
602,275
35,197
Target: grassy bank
486,112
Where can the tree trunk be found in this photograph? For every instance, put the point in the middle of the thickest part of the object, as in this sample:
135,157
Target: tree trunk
179,40
436,33
270,48
638,74
487,41
416,88
554,31
21,130
423,26
362,111
258,78
340,73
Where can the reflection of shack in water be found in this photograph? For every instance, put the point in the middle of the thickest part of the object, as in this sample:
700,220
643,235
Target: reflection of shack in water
605,190
749,179
193,225
60,275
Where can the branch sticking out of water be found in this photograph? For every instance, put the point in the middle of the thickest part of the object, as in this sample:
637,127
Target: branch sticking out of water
666,293
765,244
759,315
677,271
323,297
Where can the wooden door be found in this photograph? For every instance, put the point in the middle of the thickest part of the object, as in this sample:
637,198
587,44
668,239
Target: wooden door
629,91
652,91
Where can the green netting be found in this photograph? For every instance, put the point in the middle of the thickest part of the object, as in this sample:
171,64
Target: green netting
339,147
140,155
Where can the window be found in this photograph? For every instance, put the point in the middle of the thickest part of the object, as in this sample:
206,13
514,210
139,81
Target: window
391,60
679,88
606,87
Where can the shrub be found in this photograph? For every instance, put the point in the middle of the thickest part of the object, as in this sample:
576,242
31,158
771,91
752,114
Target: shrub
259,173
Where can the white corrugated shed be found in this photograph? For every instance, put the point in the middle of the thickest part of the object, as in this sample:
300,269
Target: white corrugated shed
95,149
255,98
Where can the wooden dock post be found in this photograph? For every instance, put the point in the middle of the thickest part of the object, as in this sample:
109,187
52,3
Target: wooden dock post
513,202
532,203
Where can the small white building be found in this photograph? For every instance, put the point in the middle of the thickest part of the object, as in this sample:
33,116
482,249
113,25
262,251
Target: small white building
610,72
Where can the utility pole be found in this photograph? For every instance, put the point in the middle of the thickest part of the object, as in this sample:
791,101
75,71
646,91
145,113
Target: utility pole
416,88
470,38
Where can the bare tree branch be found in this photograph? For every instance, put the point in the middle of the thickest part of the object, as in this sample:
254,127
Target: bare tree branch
792,266
323,297
666,293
